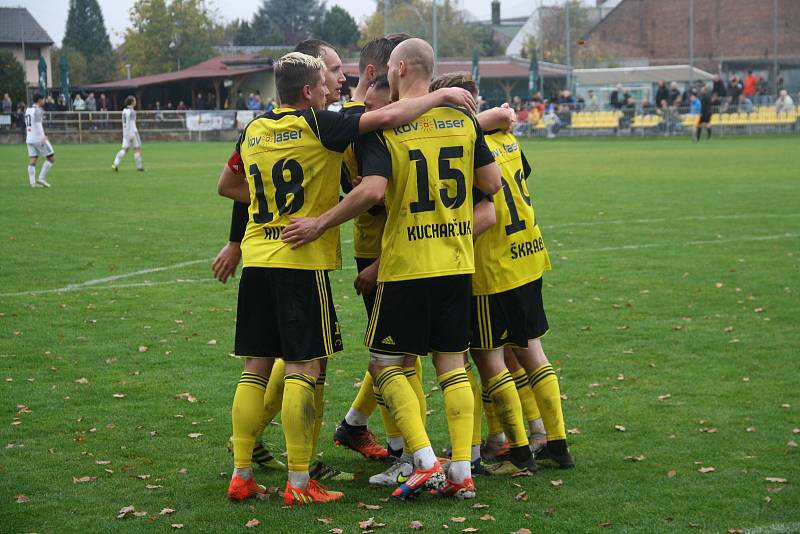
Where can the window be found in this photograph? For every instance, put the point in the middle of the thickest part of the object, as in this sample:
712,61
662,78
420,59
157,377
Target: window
32,52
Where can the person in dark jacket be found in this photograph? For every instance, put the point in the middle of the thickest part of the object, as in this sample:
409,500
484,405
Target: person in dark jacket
705,114
662,93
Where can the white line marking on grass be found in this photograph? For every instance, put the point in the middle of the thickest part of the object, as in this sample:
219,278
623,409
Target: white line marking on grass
689,218
106,279
112,286
686,244
775,528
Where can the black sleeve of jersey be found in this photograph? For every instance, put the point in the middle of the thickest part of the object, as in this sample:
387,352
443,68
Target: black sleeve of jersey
239,142
335,130
478,195
483,156
526,167
344,180
375,158
239,218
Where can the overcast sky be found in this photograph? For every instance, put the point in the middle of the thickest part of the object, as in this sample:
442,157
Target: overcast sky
52,14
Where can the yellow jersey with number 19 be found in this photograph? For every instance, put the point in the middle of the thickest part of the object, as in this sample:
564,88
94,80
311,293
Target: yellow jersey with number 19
292,160
511,253
429,164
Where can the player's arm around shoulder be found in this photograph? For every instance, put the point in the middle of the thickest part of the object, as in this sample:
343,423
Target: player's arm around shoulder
406,110
499,118
484,216
487,172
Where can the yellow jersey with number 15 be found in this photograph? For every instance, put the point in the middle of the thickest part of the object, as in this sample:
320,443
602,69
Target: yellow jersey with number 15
292,160
511,253
430,165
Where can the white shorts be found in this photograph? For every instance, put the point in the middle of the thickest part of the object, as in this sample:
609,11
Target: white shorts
40,149
132,141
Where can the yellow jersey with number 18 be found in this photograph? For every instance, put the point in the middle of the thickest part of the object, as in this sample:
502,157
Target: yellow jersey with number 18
511,253
292,160
429,164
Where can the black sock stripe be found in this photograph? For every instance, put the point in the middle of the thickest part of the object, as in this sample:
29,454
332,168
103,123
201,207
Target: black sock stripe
542,377
521,381
539,371
387,376
410,373
504,381
452,381
300,378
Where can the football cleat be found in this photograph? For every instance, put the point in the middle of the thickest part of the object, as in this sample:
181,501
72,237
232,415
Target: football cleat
42,182
397,473
492,452
114,168
431,479
556,451
360,440
262,457
320,471
140,169
314,492
459,490
241,489
478,468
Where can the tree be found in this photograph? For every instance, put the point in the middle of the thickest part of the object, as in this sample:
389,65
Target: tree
164,37
78,68
12,78
286,22
456,37
552,37
86,33
339,28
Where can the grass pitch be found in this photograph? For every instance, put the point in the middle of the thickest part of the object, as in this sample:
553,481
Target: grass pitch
673,304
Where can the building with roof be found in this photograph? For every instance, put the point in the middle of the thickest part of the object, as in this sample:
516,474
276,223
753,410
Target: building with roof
21,35
222,77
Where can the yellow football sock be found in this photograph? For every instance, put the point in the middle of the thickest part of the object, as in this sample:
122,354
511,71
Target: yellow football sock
529,407
544,383
476,400
507,408
389,426
458,408
415,379
298,415
365,398
273,396
246,417
402,403
493,424
319,407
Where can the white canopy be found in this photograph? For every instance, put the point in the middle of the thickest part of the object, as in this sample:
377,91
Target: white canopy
630,75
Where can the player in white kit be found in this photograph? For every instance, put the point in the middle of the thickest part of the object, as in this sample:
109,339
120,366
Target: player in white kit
38,145
130,136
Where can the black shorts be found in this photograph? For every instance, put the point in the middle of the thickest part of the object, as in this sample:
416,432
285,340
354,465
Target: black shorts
705,118
369,298
509,318
286,313
420,316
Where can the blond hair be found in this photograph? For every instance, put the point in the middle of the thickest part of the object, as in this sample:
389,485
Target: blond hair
294,71
455,79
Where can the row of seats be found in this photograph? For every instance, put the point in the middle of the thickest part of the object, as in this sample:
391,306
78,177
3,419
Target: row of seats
610,119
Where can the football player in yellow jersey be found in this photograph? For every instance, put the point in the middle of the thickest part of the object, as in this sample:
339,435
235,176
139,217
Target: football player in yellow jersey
292,157
426,169
507,308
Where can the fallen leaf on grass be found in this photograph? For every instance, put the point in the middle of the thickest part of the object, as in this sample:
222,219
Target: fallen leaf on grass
118,395
487,517
573,431
671,473
706,470
336,531
774,489
153,486
177,525
22,499
664,397
796,431
370,523
140,477
369,506
458,519
735,531
166,511
415,525
522,531
791,443
709,430
194,435
620,428
188,396
82,380
479,506
102,462
140,514
143,348
718,285
777,480
83,480
325,520
637,458
211,342
750,429
521,496
470,529
252,523
694,525
125,511
786,405
605,524
556,483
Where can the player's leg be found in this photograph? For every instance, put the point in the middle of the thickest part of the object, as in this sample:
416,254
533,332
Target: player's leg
120,154
32,158
47,165
475,454
536,432
137,152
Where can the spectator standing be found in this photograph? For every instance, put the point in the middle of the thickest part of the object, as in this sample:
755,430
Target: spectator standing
201,103
240,104
734,91
745,104
7,104
270,105
719,87
750,85
551,121
103,102
79,104
591,102
181,106
705,114
674,94
615,99
50,104
91,102
251,102
62,103
662,93
784,103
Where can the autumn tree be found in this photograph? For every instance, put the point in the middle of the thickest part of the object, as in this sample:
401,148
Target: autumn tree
168,36
86,34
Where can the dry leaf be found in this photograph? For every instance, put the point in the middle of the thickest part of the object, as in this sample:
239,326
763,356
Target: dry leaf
336,531
774,489
140,514
706,470
637,458
735,531
415,525
470,529
194,435
750,429
82,380
619,428
252,523
558,482
521,496
143,348
119,395
369,506
153,486
211,342
694,525
325,520
125,511
487,517
102,462
792,443
796,431
718,285
166,511
664,397
177,525
522,531
777,480
21,498
83,480
605,524
786,405
573,431
140,477
458,519
671,473
479,506
369,524
188,396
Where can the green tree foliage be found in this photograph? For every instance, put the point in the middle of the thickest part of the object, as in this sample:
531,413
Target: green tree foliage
86,33
339,28
78,68
12,78
244,36
456,37
163,35
286,22
552,39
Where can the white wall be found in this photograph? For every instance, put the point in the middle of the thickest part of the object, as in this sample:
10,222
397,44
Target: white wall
31,66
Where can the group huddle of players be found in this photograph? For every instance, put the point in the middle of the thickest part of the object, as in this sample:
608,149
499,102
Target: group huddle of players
450,262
